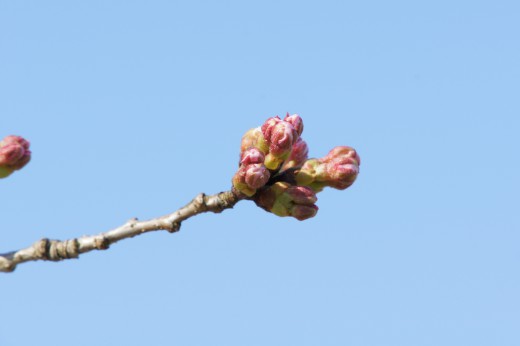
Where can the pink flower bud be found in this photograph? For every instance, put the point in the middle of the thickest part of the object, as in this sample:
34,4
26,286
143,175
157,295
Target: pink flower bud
10,154
342,167
301,195
256,175
296,121
14,154
283,199
15,140
250,177
338,169
268,125
252,155
342,153
283,136
280,135
304,212
298,155
342,176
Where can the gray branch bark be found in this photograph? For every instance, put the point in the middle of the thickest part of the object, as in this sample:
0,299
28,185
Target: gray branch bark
57,250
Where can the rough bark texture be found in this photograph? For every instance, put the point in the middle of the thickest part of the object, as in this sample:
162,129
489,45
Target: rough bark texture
57,250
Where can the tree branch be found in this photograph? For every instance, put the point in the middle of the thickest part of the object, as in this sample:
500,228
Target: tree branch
57,250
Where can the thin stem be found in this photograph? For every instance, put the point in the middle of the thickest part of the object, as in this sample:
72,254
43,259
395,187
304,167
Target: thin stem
57,250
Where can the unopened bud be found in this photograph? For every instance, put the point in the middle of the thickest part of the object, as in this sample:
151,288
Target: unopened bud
256,175
338,169
342,153
280,136
304,212
296,121
298,156
250,177
254,139
342,167
283,199
268,126
14,154
252,155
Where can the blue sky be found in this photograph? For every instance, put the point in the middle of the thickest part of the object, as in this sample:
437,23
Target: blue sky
132,108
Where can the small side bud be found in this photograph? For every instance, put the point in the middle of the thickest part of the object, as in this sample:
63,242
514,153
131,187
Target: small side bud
14,155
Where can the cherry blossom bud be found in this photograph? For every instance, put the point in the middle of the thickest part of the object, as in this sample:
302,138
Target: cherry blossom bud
298,155
283,199
342,165
296,121
268,125
280,136
342,153
250,177
14,155
254,139
338,169
252,155
304,212
256,175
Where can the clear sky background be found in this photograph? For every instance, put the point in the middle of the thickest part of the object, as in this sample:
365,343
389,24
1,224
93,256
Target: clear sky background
134,107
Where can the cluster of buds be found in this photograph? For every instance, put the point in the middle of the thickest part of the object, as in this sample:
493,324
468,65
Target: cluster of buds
14,155
275,172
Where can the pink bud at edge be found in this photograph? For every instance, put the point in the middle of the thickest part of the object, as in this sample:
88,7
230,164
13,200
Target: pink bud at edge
14,154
